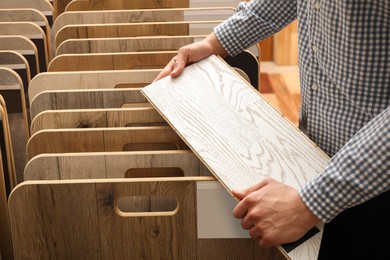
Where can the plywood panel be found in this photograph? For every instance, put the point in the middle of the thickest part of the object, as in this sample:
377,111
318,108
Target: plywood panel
81,220
237,134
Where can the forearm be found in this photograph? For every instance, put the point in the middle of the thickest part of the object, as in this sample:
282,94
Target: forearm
253,22
358,172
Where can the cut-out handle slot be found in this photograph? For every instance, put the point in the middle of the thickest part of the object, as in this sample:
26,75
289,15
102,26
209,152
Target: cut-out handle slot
147,124
150,147
154,172
131,105
131,85
138,206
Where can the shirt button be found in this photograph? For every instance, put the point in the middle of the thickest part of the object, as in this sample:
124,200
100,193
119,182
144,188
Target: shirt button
317,5
314,87
314,48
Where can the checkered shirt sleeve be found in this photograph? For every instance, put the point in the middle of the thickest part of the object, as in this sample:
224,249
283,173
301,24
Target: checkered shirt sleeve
344,66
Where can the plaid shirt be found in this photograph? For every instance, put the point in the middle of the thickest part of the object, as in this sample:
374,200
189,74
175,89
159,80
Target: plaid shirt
344,63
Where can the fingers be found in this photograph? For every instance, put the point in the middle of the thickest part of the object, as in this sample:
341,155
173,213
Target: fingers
179,62
243,193
167,70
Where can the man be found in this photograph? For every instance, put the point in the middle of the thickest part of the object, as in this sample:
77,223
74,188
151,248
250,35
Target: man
344,62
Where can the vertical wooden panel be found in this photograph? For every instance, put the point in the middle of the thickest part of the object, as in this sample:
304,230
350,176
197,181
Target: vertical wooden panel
286,45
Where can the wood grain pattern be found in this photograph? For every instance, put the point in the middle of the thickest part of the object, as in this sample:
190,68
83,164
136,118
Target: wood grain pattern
128,30
28,15
6,251
31,31
24,46
111,61
123,4
125,44
221,249
238,135
138,15
103,140
47,81
91,118
85,99
112,165
7,154
81,220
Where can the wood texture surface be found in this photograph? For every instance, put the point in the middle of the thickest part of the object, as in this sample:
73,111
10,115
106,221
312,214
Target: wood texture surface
24,46
92,118
31,31
49,81
125,44
111,61
85,99
104,165
141,15
238,135
123,4
104,140
6,251
81,220
7,154
128,30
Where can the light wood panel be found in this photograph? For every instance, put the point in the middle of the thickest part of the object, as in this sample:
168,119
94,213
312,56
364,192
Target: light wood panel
24,46
49,81
236,133
91,118
86,99
8,169
141,15
18,63
130,30
104,140
28,15
125,44
85,221
111,61
286,45
114,165
6,251
34,33
123,4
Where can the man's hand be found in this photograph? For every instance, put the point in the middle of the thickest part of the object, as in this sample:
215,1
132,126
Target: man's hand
192,53
274,213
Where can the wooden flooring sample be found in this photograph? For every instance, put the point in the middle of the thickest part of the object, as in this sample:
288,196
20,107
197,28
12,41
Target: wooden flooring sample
236,133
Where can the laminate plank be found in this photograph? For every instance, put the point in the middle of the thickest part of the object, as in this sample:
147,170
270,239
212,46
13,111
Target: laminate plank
85,99
49,81
122,4
236,133
6,251
101,165
141,15
80,31
111,61
125,44
104,140
92,118
24,46
83,219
